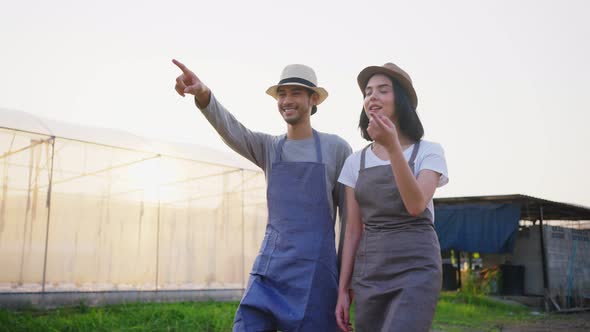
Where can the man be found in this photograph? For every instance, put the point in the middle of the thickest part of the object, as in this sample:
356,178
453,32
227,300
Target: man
293,283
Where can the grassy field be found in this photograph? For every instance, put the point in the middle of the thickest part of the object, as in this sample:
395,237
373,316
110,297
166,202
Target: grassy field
458,312
455,312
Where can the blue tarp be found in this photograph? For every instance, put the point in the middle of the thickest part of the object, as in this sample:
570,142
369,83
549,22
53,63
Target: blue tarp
484,228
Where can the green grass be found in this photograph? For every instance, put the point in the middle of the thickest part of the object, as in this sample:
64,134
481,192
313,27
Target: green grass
192,316
455,312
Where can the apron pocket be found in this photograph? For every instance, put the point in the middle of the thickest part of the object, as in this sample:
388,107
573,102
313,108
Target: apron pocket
266,249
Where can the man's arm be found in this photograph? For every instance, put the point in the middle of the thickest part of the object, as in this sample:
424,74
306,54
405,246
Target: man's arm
249,144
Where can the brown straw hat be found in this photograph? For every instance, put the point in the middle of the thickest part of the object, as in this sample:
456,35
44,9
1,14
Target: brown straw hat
393,71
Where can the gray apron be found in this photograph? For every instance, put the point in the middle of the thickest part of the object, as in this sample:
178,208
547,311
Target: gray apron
397,272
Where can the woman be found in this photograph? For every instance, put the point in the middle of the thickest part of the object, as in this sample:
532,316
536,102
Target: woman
390,239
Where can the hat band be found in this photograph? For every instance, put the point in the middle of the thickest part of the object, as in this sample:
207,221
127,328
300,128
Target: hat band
296,80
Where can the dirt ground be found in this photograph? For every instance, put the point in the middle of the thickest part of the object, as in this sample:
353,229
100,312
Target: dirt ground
554,322
575,322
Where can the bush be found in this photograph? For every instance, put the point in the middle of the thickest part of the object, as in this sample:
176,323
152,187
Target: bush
484,282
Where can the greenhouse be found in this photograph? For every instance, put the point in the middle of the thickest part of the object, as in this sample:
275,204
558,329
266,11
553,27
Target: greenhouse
93,211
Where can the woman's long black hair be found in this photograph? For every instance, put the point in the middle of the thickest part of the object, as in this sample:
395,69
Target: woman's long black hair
407,119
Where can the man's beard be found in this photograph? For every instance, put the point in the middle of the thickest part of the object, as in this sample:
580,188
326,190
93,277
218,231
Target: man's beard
293,121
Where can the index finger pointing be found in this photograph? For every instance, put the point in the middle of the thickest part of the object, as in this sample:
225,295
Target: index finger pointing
181,66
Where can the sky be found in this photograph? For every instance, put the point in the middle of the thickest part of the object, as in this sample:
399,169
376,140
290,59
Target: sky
501,84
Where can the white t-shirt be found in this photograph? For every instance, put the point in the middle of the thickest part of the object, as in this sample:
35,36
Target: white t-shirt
430,156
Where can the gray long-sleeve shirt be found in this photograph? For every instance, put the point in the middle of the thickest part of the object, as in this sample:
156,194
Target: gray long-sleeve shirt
260,148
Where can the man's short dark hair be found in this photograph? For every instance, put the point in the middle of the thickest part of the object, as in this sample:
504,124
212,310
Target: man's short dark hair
314,108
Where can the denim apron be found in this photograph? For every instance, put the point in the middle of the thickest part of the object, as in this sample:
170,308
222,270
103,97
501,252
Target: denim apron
293,285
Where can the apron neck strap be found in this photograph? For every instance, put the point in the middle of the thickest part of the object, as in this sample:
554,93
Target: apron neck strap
318,147
363,155
414,154
412,158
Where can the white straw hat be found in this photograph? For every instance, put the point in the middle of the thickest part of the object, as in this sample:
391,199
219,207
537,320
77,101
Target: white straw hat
301,75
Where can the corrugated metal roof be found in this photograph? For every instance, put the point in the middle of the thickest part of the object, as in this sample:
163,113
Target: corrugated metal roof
530,206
